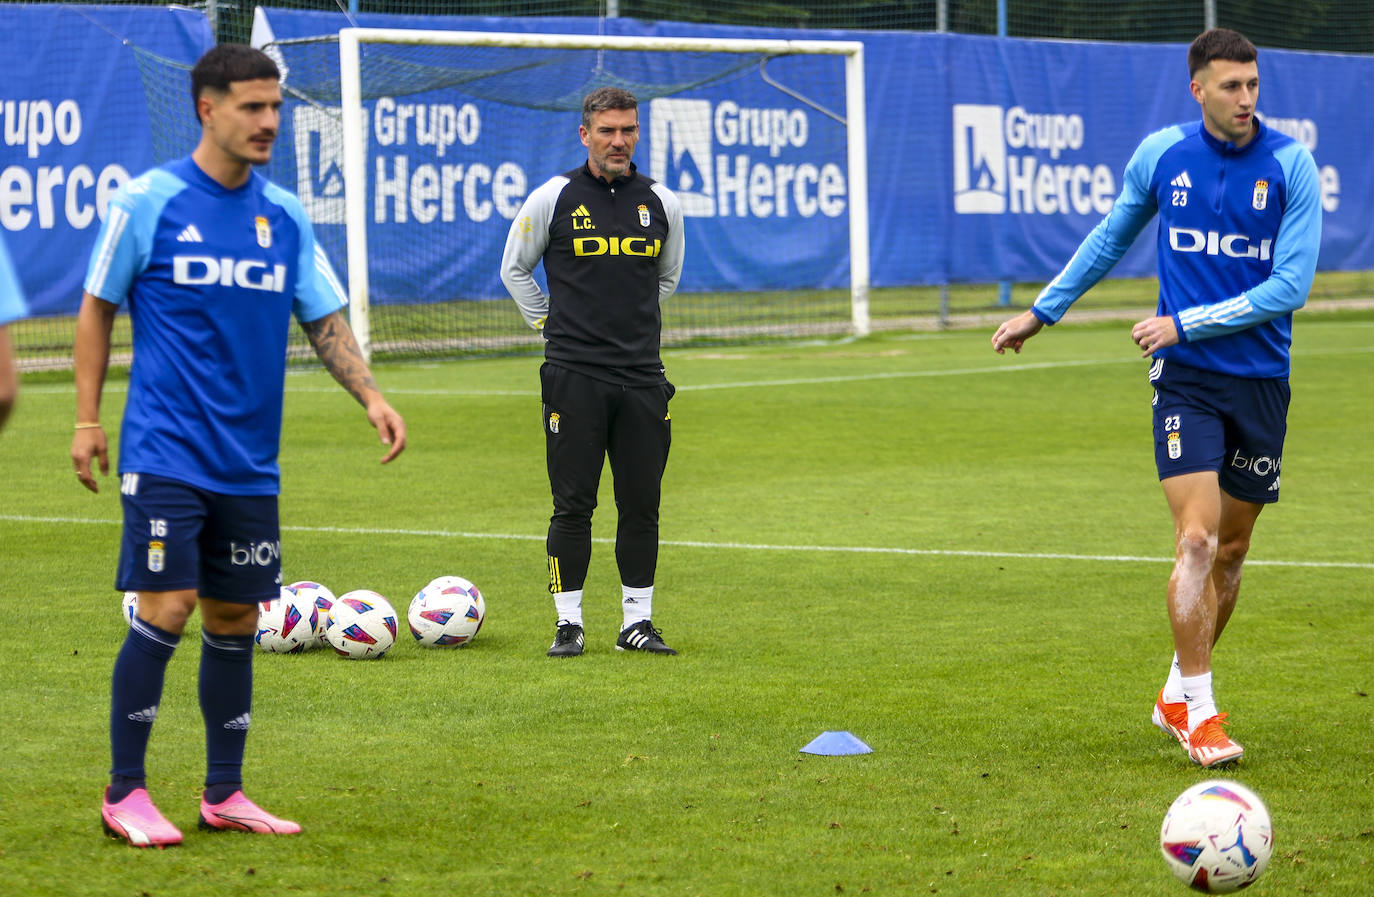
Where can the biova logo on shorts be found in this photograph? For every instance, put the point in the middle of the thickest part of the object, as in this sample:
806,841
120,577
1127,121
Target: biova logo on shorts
724,160
1009,160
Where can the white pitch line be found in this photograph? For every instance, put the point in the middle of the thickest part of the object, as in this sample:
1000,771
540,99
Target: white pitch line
51,389
744,546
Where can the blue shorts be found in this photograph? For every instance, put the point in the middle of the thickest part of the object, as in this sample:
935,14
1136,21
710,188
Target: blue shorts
178,536
1233,425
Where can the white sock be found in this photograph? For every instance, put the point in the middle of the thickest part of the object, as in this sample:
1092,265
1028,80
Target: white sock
569,606
1197,691
637,603
1173,686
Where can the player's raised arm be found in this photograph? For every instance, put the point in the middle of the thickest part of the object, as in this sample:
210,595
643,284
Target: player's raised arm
337,349
91,358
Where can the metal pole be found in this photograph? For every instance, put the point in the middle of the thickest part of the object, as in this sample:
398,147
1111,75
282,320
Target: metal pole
1209,14
942,26
612,9
1003,287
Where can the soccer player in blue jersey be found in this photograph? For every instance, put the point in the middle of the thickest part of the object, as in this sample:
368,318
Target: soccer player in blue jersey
1240,227
212,261
12,308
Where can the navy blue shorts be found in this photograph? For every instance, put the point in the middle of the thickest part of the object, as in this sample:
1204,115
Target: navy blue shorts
178,536
1233,425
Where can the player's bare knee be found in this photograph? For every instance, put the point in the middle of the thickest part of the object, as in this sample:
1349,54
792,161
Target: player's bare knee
1197,546
1231,553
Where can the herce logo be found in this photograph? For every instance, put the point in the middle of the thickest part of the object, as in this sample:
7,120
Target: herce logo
319,162
680,135
980,161
723,159
1007,160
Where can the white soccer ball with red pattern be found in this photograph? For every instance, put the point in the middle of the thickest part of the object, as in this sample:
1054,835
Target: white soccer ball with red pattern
1217,837
447,613
322,598
362,625
286,624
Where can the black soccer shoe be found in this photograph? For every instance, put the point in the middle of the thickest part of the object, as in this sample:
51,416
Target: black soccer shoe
568,641
642,636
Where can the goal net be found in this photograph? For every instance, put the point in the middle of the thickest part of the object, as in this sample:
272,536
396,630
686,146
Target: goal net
412,152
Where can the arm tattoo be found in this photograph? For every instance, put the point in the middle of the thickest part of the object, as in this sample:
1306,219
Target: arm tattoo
336,347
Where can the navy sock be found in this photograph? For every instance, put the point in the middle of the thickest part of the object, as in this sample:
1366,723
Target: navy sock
135,692
226,695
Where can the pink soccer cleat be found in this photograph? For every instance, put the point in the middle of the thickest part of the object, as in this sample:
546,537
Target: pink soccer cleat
239,814
137,821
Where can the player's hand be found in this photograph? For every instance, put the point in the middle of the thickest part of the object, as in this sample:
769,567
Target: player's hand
391,428
1014,332
1153,334
88,443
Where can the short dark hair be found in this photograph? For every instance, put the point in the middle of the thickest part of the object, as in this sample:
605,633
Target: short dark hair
228,63
604,98
1219,43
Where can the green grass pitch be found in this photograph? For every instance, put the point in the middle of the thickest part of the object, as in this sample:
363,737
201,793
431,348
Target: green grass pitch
958,557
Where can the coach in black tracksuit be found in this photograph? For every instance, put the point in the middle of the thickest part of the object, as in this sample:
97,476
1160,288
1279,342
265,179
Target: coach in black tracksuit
611,242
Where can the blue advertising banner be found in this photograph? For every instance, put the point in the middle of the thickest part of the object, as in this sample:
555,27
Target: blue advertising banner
989,159
74,126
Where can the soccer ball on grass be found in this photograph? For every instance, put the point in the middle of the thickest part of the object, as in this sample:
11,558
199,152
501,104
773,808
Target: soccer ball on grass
362,625
129,607
286,624
447,613
322,598
1217,837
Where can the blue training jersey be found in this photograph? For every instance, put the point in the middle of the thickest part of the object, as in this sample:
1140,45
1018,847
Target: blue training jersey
12,306
1239,232
211,277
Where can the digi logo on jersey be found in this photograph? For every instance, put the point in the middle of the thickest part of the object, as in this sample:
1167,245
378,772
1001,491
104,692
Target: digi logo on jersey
251,274
1000,164
583,246
1236,246
690,142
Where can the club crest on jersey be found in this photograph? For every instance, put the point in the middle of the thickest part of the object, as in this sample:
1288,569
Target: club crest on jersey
1175,442
1260,198
264,232
643,215
157,557
553,422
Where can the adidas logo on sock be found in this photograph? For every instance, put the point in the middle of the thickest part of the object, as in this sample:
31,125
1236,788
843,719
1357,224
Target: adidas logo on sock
1182,181
190,235
146,715
238,723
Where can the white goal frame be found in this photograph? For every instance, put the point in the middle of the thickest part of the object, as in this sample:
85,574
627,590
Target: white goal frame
355,165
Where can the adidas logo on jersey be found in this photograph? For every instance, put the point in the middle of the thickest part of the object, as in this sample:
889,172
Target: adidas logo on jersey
1182,181
238,723
190,235
146,715
582,219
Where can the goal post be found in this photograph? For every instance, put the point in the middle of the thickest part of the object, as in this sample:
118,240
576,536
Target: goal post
357,46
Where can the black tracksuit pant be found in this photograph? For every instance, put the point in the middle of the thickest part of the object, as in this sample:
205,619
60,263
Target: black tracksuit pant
587,420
